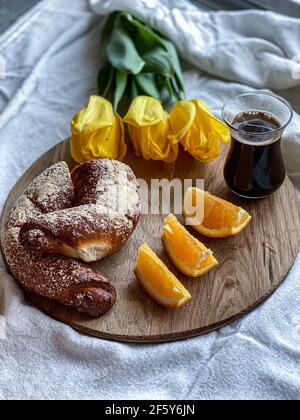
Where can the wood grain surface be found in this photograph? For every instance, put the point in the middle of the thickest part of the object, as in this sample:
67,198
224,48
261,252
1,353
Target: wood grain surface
251,265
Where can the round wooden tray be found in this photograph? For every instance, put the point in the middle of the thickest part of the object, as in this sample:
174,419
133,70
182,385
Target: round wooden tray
252,264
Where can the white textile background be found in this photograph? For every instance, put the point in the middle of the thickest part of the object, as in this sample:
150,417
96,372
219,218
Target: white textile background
53,55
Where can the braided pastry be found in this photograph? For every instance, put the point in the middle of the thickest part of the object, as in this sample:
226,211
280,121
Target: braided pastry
106,213
58,214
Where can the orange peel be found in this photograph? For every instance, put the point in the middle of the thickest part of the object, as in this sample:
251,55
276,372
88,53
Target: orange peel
221,218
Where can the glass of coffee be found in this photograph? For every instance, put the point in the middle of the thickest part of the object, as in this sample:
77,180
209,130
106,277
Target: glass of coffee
255,167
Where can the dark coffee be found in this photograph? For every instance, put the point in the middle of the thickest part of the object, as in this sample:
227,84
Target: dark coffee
255,166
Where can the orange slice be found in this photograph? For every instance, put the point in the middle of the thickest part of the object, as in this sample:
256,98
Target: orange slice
221,218
188,254
158,281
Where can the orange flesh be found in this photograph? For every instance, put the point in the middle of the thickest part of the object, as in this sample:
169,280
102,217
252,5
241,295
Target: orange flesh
158,280
219,215
184,246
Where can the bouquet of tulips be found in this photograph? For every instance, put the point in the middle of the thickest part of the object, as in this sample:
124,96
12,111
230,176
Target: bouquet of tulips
141,67
98,132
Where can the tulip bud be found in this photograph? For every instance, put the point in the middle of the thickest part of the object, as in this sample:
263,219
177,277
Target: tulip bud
200,132
97,133
150,131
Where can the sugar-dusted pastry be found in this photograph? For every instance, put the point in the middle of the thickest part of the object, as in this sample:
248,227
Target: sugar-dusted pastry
59,200
106,211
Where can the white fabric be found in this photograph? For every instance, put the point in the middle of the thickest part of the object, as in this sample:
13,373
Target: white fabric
233,46
53,55
288,7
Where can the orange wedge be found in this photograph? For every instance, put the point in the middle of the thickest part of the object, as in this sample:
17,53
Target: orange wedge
158,281
188,254
221,219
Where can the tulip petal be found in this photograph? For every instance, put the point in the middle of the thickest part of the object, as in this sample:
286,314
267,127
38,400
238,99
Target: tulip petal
75,151
203,132
140,139
182,117
96,115
143,136
134,137
151,141
97,133
144,111
212,123
162,148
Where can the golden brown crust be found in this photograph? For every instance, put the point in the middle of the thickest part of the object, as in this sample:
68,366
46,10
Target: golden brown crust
55,277
107,209
62,279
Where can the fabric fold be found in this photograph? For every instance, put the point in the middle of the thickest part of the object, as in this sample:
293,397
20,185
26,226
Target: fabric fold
58,55
236,46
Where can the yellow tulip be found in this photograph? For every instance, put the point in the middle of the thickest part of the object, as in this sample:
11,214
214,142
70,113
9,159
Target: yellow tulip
150,131
201,133
97,133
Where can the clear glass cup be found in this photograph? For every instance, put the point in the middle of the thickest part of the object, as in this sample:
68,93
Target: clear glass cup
255,167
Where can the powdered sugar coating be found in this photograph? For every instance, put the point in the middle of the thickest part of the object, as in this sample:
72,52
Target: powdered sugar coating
23,210
43,274
109,184
53,189
105,223
106,212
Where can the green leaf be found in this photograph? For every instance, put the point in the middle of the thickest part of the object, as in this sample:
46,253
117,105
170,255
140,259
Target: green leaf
158,52
179,92
157,61
120,87
168,85
106,80
140,62
174,59
145,38
148,85
121,51
134,91
181,89
108,28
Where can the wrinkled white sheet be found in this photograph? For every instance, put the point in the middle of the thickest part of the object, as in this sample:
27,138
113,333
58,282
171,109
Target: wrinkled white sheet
251,47
53,55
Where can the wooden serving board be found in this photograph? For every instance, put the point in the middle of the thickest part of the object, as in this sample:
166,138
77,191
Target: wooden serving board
252,264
